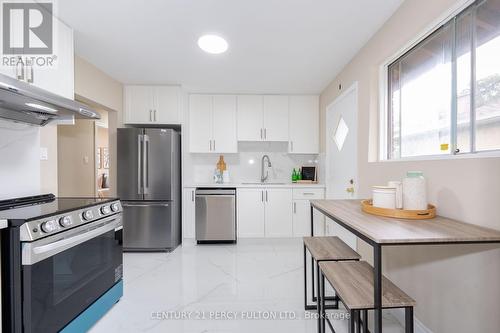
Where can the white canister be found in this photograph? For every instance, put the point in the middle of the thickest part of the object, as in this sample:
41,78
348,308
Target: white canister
384,197
399,192
414,191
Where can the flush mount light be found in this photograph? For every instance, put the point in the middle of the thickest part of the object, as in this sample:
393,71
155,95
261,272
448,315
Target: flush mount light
212,44
40,107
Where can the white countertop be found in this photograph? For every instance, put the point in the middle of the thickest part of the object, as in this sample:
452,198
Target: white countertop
3,224
248,185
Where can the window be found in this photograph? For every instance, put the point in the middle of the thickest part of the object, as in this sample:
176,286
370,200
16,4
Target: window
444,93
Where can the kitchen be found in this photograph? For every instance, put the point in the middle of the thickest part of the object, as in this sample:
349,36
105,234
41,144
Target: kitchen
218,162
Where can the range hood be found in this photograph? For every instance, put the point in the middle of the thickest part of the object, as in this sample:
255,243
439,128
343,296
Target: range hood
24,103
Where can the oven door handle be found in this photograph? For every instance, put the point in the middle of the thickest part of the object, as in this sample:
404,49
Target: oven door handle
33,253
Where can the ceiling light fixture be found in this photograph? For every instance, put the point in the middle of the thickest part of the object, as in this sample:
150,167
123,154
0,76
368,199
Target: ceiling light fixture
212,44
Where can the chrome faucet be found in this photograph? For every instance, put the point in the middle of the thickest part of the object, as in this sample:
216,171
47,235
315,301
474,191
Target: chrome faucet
262,177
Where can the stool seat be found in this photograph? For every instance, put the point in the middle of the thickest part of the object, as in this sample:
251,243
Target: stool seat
353,282
329,248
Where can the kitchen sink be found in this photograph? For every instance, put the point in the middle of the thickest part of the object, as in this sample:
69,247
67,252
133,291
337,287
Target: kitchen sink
259,183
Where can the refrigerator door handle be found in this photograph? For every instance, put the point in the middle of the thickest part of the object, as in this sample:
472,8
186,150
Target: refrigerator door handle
145,165
139,164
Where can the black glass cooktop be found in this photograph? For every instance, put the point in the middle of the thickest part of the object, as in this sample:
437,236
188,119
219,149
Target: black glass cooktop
32,208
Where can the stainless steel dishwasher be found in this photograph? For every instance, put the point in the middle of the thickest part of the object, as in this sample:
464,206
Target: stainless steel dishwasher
216,215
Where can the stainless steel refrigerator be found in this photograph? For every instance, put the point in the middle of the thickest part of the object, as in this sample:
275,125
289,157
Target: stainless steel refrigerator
149,185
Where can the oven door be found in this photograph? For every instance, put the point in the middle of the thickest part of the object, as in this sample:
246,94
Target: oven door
65,273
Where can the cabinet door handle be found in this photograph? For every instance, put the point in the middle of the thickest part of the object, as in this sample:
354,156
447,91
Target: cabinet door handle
192,196
210,145
261,136
262,195
214,146
154,114
150,115
29,71
265,133
266,196
295,208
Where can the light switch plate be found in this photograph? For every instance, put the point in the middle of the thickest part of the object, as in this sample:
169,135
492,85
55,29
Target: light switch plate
44,154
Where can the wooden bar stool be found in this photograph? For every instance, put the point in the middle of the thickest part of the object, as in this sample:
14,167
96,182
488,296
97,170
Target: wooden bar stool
324,249
353,284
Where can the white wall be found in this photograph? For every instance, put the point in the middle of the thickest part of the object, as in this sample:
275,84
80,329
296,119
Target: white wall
456,286
19,160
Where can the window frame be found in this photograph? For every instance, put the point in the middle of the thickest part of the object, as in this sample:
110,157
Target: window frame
385,142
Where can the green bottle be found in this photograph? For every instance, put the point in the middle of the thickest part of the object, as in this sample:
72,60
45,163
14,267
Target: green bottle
294,176
299,175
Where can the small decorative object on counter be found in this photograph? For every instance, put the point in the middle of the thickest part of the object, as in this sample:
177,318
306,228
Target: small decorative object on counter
399,192
225,177
414,191
384,197
221,165
294,176
218,177
299,175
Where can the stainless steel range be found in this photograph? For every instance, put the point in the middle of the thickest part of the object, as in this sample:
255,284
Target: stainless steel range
62,262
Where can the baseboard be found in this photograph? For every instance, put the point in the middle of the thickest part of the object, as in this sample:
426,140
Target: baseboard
399,314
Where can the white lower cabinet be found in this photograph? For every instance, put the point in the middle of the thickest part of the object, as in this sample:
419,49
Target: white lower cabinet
278,212
251,216
188,213
265,212
302,220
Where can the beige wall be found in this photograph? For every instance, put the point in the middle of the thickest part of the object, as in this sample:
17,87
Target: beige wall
456,287
97,88
76,162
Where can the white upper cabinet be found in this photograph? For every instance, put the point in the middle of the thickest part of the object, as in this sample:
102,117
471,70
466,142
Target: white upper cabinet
262,118
224,124
152,105
304,125
275,118
212,124
167,101
200,119
56,77
250,118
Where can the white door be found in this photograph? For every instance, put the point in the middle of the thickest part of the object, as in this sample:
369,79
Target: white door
224,124
167,104
304,125
250,118
189,213
250,207
279,217
341,154
138,105
275,118
200,124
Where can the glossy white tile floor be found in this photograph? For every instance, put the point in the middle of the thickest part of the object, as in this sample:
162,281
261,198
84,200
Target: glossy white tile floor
254,276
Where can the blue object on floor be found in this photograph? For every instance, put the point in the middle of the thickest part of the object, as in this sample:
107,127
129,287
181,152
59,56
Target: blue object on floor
96,311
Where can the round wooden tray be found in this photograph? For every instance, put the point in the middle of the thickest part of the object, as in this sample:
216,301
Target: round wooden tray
429,213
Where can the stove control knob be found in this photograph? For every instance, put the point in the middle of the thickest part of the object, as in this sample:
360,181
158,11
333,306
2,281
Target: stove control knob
87,215
65,221
49,226
105,210
115,207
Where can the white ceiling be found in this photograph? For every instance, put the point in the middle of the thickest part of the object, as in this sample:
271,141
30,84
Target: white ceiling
275,46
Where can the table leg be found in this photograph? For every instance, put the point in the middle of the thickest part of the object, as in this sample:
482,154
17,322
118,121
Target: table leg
377,263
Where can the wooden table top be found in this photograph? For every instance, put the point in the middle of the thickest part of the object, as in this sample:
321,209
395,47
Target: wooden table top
384,230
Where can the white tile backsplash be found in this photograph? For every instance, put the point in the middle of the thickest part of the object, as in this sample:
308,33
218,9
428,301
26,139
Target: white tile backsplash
245,166
19,160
